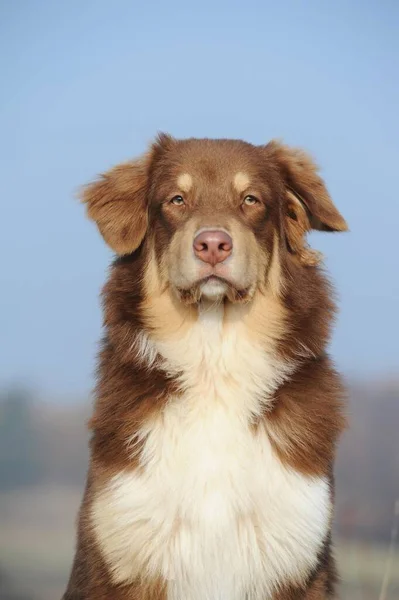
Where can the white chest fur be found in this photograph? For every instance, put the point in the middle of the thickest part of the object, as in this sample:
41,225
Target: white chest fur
213,510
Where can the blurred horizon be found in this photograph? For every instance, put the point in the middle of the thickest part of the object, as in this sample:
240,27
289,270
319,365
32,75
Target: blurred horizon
42,482
87,85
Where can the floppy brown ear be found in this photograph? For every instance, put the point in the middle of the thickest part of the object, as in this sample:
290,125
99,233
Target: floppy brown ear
117,202
308,203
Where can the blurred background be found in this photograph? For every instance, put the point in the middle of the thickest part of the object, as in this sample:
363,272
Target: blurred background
86,84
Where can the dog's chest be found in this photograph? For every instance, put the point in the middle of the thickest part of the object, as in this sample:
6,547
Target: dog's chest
213,510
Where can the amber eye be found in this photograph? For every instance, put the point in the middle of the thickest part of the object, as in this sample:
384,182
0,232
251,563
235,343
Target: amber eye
177,200
250,201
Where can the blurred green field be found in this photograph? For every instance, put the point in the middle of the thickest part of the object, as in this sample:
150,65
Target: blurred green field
37,538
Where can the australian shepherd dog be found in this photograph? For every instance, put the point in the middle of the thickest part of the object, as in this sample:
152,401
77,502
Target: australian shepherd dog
217,409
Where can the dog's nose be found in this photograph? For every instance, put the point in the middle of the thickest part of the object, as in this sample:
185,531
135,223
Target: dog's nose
213,246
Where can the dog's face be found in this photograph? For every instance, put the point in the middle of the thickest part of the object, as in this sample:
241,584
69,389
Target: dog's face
212,212
217,216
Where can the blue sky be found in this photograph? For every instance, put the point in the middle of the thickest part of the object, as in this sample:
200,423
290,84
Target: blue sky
87,84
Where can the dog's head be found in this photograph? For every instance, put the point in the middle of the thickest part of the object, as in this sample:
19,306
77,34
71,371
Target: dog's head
218,217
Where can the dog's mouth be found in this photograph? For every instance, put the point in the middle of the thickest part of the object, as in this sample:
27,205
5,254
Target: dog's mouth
213,278
214,288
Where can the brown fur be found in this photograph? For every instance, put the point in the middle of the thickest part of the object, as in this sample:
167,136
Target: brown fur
292,304
302,430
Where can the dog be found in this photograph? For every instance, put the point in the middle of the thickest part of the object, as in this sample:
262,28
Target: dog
217,410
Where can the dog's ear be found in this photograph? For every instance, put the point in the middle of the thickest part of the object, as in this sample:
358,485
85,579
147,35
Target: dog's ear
118,201
308,203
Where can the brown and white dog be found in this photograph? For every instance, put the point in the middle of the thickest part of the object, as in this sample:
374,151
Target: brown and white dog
217,408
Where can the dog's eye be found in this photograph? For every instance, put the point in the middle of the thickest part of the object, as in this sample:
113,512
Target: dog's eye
177,200
250,200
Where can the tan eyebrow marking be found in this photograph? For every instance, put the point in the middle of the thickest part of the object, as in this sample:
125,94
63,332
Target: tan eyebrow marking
185,182
241,181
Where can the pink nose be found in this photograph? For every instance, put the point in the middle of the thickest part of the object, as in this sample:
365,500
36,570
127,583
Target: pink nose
213,246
